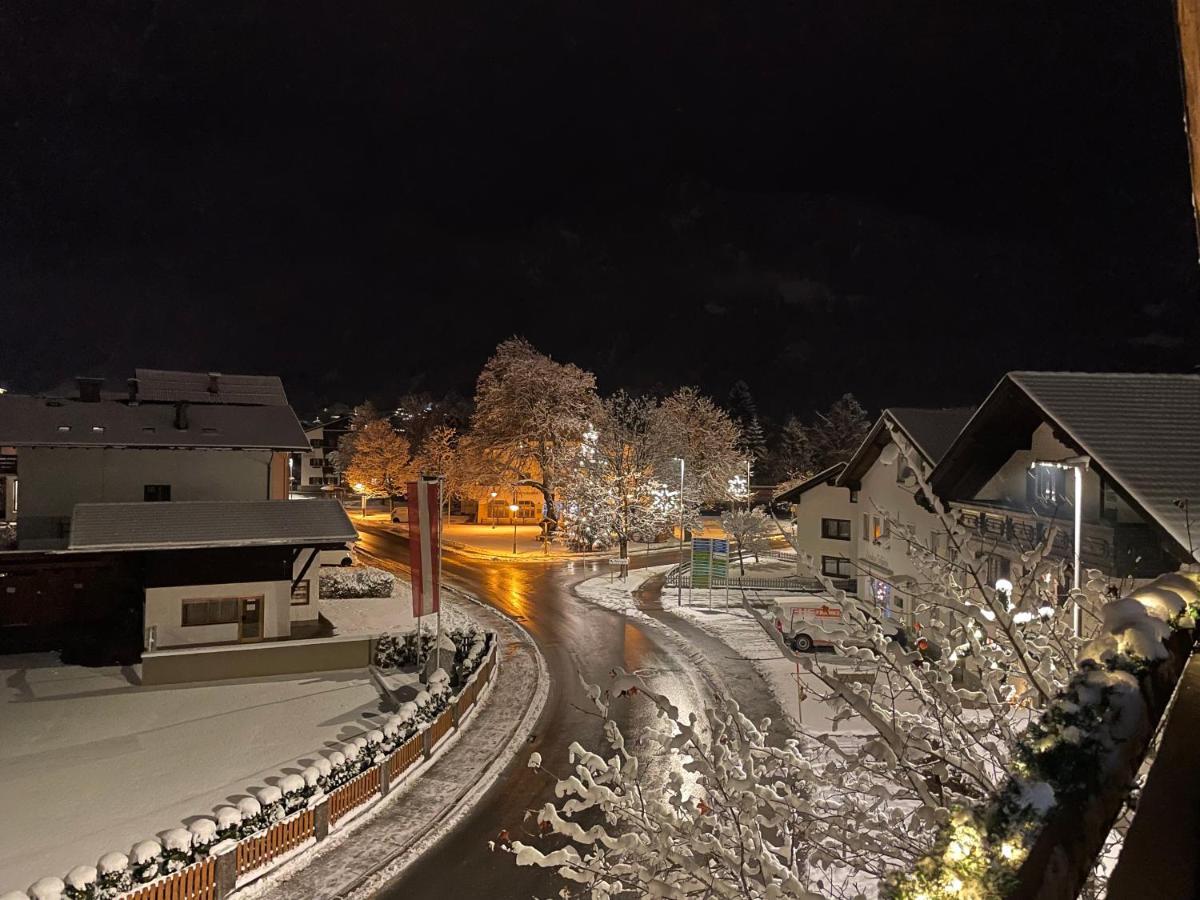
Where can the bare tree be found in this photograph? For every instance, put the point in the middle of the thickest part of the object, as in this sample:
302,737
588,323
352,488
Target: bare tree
750,529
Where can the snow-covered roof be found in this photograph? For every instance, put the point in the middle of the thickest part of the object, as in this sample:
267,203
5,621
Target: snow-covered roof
792,493
159,385
931,431
208,523
1142,431
27,421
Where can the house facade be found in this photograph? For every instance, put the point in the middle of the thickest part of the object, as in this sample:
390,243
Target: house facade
1122,450
312,470
159,517
846,516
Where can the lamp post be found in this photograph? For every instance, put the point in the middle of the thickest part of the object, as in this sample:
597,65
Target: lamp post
512,514
492,510
1076,464
679,578
362,498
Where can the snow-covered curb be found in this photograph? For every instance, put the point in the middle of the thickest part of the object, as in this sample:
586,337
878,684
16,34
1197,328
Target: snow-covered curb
454,811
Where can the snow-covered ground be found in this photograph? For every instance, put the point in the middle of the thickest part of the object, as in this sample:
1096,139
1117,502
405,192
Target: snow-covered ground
392,614
796,691
90,761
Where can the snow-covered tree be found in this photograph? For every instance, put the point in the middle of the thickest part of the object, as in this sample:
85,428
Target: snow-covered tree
943,711
615,491
376,457
695,429
731,819
530,417
751,529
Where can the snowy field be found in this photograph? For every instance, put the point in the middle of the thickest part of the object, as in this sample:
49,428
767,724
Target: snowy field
91,761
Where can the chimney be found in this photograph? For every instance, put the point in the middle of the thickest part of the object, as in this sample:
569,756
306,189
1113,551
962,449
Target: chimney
214,383
133,388
181,416
89,389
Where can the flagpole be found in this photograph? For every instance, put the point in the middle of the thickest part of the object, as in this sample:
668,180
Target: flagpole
438,595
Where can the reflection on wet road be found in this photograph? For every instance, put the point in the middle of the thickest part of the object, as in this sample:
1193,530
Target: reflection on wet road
576,639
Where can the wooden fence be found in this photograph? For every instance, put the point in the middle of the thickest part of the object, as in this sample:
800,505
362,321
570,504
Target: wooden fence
260,849
197,882
215,877
440,726
406,754
353,794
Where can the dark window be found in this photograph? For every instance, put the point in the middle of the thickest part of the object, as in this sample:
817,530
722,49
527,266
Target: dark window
1108,502
156,493
210,612
904,472
854,496
315,442
300,594
835,567
837,529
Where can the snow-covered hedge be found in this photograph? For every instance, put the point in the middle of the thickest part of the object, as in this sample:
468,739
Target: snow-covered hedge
116,873
349,583
1066,754
470,650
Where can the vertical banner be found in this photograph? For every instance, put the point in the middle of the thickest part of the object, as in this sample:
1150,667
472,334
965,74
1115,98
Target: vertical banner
701,562
424,512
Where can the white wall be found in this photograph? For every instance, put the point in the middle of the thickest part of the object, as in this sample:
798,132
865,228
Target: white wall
825,502
53,480
310,610
164,609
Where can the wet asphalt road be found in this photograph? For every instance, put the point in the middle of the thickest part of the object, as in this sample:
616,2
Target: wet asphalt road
576,639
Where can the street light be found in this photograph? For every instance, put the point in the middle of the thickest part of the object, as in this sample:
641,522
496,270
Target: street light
492,510
512,509
1078,464
362,496
679,575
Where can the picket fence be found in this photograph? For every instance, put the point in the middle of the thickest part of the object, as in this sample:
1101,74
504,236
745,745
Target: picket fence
218,876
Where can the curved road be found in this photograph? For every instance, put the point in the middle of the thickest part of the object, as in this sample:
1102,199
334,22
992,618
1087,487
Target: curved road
576,639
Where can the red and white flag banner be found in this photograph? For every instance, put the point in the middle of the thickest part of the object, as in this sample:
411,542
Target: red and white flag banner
424,509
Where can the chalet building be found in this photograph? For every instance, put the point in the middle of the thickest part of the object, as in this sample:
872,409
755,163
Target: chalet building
312,469
158,517
843,515
1133,438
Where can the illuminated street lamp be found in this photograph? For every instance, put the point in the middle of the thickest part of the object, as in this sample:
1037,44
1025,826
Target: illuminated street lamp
679,576
362,496
512,510
492,510
1077,464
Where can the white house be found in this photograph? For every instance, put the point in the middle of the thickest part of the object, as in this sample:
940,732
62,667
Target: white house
1134,440
842,516
158,517
313,471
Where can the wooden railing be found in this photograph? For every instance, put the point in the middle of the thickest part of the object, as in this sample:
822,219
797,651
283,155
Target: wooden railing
197,882
259,850
353,794
406,754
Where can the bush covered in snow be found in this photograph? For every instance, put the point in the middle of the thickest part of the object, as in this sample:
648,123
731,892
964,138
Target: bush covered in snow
360,581
470,650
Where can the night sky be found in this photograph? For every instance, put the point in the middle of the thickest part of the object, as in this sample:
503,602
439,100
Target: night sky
899,199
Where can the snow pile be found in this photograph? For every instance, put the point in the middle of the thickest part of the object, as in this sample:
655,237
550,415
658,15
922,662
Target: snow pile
360,581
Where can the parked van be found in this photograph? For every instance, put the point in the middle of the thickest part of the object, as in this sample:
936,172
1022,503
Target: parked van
808,622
